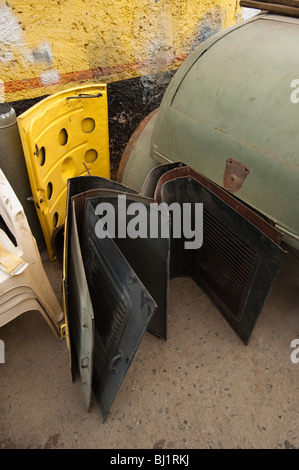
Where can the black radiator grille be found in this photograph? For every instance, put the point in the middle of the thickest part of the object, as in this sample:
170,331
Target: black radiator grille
110,310
226,264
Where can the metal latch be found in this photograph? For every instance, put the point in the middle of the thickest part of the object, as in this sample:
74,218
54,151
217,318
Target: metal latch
84,95
235,174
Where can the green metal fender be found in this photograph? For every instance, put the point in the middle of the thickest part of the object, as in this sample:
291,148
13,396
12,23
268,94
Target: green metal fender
136,161
231,113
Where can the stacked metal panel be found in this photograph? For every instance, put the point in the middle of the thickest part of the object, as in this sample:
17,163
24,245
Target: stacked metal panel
116,287
113,292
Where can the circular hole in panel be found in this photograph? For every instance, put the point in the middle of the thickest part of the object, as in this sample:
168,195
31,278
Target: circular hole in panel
88,125
49,190
55,219
63,137
91,156
42,156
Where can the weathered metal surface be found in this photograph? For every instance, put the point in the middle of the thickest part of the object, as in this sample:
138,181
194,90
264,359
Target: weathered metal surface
127,293
141,251
122,308
236,265
217,107
149,185
63,138
256,219
137,163
76,186
131,145
81,315
235,174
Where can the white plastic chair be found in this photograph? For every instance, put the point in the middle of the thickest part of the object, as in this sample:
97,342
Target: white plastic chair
27,288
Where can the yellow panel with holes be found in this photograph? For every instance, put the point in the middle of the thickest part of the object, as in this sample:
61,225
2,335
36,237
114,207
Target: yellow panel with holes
63,136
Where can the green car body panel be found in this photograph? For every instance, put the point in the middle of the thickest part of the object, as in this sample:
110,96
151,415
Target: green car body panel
231,99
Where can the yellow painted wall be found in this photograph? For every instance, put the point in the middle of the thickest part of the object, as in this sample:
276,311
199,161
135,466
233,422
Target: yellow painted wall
49,45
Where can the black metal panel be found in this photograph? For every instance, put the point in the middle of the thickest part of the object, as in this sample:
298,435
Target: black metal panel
122,310
149,185
117,288
117,297
148,257
75,186
237,263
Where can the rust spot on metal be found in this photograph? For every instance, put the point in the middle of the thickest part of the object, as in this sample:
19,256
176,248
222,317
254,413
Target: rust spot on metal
131,144
235,174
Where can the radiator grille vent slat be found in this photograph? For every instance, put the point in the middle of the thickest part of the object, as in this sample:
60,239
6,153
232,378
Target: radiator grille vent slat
111,312
226,264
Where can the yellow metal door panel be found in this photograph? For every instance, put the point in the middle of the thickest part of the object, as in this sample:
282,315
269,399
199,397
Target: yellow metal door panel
63,136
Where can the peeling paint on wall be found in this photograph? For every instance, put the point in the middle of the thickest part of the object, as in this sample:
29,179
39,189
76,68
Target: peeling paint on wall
10,31
48,46
134,46
211,23
10,34
49,77
43,54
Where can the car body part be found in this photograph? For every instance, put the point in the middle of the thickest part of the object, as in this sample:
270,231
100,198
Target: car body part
149,186
219,105
239,259
122,309
81,319
63,136
140,252
136,161
29,288
80,184
76,186
113,290
234,175
111,287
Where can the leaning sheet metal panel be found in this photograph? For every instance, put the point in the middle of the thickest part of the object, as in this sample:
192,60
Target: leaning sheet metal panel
122,309
237,263
147,254
63,136
76,186
82,317
151,181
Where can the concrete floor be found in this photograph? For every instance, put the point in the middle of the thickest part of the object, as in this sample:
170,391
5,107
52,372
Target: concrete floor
201,389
